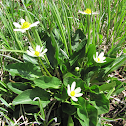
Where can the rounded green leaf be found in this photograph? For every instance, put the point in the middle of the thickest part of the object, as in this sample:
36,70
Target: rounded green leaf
91,52
25,70
100,102
68,108
27,96
47,82
18,87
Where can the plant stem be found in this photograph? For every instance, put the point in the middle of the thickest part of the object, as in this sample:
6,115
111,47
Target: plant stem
42,111
44,67
88,41
18,42
41,68
30,39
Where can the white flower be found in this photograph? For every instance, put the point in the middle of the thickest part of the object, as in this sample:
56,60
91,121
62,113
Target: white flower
100,58
24,25
87,11
38,52
72,92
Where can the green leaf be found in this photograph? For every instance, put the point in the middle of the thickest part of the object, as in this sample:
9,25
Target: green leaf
78,45
68,108
79,53
3,84
2,89
27,97
115,65
116,47
107,86
4,102
91,52
69,80
30,59
77,39
124,50
94,89
18,88
70,121
68,74
58,20
120,86
87,113
82,112
52,52
25,70
100,102
61,94
47,82
92,114
2,109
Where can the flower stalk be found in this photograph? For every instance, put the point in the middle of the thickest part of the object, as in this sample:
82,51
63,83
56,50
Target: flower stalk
88,23
44,67
30,39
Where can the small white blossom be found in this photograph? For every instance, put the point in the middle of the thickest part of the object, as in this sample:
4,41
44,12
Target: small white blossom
37,52
100,58
24,25
87,11
72,92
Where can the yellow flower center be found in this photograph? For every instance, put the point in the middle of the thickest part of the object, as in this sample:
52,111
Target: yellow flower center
25,25
36,53
98,59
88,11
72,93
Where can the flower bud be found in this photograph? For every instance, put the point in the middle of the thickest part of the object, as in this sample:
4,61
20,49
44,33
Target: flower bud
77,69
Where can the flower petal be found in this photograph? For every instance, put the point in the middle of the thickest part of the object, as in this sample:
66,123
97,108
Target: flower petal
77,90
103,58
82,12
38,48
17,29
22,21
45,50
16,24
68,89
30,53
22,30
74,99
34,24
78,95
96,55
101,55
95,13
41,49
73,86
30,48
26,28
